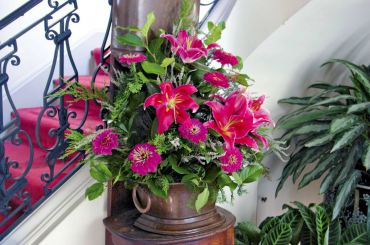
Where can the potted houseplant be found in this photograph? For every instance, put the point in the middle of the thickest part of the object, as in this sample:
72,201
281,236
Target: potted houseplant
180,128
300,224
331,130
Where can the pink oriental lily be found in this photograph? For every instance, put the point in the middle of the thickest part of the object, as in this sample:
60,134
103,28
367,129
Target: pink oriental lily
237,120
171,104
189,48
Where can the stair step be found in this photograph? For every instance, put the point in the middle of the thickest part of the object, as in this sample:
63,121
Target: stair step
101,81
29,116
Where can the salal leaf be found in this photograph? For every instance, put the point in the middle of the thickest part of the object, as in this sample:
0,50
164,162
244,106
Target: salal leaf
159,187
366,156
251,173
355,234
334,99
358,107
130,39
345,191
309,116
348,137
202,199
153,68
167,61
279,235
321,167
340,124
322,224
94,191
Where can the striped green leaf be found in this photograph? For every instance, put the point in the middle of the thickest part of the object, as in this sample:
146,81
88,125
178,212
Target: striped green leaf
355,234
358,107
366,156
344,192
322,224
321,140
279,235
348,137
335,99
307,129
340,124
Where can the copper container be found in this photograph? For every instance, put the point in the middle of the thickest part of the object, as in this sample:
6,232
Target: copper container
173,215
134,12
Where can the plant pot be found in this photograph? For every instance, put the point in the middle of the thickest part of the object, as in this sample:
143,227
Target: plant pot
134,12
173,215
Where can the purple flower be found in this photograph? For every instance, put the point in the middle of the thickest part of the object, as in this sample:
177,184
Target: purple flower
144,158
225,58
105,142
193,130
232,160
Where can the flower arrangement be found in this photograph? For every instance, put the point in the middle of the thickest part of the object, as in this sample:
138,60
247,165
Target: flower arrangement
181,113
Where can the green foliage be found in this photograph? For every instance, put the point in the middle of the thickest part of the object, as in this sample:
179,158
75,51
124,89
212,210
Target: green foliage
214,32
329,130
94,191
305,225
202,199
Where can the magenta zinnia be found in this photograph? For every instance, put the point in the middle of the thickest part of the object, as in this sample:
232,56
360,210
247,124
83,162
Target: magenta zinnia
144,158
105,142
232,160
193,130
132,58
225,58
217,79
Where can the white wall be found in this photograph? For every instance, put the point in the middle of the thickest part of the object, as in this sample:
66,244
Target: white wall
250,23
290,59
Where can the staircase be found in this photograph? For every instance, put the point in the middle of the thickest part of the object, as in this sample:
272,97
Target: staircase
29,117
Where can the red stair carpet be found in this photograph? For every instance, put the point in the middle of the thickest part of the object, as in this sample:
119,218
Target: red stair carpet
28,118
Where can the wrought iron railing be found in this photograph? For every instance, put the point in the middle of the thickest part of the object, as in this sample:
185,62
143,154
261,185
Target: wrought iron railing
15,202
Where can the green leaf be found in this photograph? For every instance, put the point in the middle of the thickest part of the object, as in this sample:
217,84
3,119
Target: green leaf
297,101
334,99
322,224
237,178
150,18
321,167
242,79
94,191
159,187
240,64
104,169
328,181
202,199
358,107
249,230
167,61
308,216
215,32
308,116
343,123
269,223
97,175
348,137
358,73
153,68
251,173
321,140
366,156
212,173
349,164
131,40
307,129
355,234
334,233
279,235
179,169
344,192
225,180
